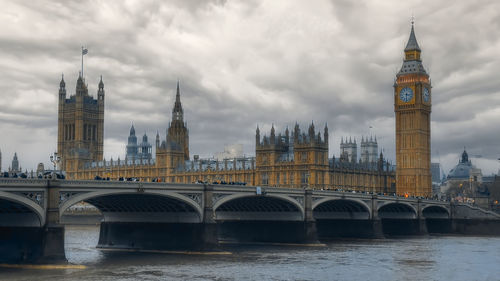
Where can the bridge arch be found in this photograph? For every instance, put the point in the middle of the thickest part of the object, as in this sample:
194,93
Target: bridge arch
341,208
145,206
17,210
269,207
397,210
435,212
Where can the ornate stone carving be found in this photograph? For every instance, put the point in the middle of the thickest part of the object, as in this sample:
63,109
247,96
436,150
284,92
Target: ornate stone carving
196,197
66,195
35,196
317,198
218,196
299,199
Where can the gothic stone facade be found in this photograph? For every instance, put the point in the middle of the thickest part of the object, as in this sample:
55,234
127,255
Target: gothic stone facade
412,105
80,126
296,160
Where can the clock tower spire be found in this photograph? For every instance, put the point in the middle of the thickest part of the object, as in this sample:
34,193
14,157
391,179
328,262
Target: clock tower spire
412,106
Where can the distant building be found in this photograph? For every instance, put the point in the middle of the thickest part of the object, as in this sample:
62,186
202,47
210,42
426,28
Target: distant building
464,170
436,179
15,168
436,172
134,151
465,182
132,148
349,150
369,150
15,163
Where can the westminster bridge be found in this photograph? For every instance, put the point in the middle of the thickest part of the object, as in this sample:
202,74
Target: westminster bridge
141,215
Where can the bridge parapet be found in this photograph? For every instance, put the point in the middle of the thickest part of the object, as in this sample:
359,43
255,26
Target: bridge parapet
98,184
466,211
19,183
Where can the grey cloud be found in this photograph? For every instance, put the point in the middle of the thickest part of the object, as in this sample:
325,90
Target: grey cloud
246,63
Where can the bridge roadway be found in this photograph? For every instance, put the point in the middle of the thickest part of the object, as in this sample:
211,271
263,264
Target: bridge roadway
197,216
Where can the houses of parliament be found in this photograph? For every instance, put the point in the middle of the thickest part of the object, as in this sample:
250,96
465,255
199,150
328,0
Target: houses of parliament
294,158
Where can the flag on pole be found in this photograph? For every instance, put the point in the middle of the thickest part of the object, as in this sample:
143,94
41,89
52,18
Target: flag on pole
84,51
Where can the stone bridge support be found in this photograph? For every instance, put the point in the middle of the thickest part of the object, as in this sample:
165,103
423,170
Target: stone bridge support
422,222
310,230
53,231
376,222
209,235
29,222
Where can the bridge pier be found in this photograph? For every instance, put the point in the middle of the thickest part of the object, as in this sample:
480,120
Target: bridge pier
378,232
42,244
422,226
310,231
52,245
422,222
209,236
53,231
377,226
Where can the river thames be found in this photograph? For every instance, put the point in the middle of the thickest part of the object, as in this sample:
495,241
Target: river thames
422,258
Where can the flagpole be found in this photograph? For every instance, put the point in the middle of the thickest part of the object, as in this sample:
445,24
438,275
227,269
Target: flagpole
82,62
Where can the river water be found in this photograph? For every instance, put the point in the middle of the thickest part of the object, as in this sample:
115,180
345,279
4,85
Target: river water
423,258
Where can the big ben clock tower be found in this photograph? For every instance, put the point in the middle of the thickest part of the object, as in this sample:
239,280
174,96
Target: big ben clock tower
412,105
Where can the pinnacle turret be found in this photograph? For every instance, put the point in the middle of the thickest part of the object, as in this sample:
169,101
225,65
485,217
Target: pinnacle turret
81,88
101,84
62,88
62,84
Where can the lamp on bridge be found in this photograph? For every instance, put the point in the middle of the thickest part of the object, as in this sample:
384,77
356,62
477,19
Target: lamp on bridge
55,159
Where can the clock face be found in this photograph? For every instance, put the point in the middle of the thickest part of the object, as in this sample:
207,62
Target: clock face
406,94
426,95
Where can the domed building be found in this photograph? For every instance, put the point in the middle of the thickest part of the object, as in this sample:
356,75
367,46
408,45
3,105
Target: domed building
464,179
464,169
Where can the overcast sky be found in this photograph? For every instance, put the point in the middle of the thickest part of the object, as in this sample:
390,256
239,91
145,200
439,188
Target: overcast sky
248,63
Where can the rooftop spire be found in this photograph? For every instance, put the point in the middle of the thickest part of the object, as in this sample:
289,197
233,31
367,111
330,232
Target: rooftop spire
132,130
465,157
177,113
412,44
412,62
62,84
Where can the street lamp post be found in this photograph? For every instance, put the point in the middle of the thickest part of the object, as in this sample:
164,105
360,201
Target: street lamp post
55,159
